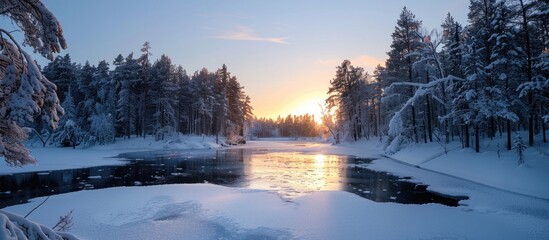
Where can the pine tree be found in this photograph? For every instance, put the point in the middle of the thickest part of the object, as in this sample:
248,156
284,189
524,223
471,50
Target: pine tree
482,89
235,115
399,65
123,106
163,92
221,111
345,96
142,89
505,66
533,18
204,102
247,114
101,123
453,52
86,106
185,101
68,134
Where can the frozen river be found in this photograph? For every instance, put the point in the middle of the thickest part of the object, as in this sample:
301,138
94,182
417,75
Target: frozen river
289,174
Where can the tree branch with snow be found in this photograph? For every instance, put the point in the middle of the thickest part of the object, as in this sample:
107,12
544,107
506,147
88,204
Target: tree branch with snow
24,91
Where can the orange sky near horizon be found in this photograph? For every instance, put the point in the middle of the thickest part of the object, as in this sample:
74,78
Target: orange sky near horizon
304,91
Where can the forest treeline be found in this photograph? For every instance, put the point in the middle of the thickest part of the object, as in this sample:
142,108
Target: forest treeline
291,126
135,97
466,82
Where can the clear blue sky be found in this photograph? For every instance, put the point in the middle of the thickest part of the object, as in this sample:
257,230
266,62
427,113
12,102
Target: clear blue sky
284,52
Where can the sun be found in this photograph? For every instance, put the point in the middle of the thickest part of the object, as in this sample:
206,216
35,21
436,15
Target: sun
309,105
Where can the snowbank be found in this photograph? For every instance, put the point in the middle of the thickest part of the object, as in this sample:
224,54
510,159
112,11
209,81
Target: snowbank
499,170
55,158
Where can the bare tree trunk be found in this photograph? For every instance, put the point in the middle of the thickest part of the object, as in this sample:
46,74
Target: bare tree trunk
477,138
429,119
528,48
492,127
414,125
543,125
466,130
509,146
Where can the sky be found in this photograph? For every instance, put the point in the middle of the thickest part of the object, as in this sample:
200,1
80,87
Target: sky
284,52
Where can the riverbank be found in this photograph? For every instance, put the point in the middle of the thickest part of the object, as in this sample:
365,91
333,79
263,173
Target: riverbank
494,166
57,158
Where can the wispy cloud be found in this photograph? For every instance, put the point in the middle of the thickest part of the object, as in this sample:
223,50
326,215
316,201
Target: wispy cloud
243,33
366,61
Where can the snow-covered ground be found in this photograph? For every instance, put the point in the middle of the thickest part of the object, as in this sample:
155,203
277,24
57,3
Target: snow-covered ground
55,158
205,211
486,167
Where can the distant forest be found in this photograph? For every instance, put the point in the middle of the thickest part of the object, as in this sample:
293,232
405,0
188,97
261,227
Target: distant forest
133,97
470,82
291,126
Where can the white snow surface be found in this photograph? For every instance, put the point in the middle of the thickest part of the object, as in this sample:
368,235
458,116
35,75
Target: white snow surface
55,158
205,211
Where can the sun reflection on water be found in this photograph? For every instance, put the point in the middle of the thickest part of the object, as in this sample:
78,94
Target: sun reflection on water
294,174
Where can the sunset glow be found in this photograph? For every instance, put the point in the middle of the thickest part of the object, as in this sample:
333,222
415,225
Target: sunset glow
309,106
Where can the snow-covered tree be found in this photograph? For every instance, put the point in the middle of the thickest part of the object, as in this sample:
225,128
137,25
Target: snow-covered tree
24,91
142,87
235,116
68,133
86,105
163,93
532,18
520,147
507,61
101,129
399,68
222,77
247,114
204,102
126,76
62,72
345,96
185,100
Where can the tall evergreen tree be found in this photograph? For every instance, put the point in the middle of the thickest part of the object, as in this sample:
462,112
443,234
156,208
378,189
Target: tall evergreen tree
507,60
399,65
222,111
345,97
142,88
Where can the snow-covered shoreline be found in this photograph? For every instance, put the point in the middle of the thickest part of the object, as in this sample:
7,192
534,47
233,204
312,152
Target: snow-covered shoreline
56,158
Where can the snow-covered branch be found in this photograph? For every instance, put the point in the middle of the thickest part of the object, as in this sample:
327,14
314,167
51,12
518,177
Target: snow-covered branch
13,226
